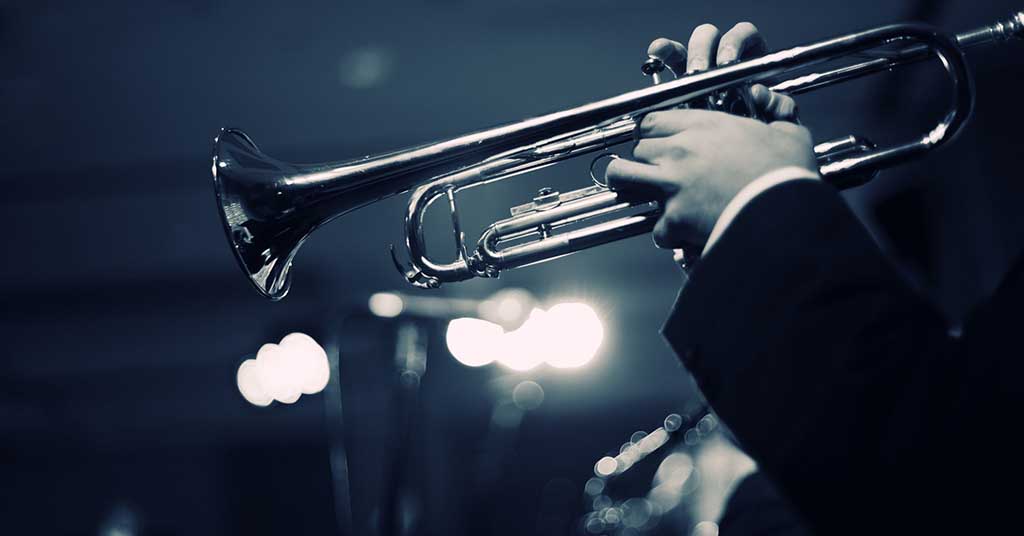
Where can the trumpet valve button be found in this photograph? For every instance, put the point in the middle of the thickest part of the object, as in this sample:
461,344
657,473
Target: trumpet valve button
546,198
652,66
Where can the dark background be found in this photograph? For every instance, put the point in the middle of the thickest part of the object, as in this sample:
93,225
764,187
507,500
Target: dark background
124,316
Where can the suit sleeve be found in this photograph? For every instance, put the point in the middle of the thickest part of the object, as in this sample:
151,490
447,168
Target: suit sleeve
831,372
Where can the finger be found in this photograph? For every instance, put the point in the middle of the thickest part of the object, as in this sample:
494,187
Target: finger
670,122
623,174
773,106
649,150
678,227
703,42
783,108
669,232
671,53
741,42
663,234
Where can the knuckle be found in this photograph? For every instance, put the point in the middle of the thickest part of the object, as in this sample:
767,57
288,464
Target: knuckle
649,121
728,51
641,150
677,147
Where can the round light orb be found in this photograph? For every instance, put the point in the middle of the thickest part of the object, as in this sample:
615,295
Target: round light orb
528,395
473,342
248,380
509,308
366,67
307,358
606,466
574,335
594,486
386,304
706,528
673,422
276,376
637,512
526,347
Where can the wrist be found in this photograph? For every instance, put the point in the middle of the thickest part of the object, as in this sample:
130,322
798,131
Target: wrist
754,188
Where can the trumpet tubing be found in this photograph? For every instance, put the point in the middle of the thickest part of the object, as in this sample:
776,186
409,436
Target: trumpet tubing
270,207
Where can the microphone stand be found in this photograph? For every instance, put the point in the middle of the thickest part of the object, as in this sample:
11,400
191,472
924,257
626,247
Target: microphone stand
411,362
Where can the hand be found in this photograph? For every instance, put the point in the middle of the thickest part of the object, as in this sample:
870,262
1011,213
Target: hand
698,160
707,49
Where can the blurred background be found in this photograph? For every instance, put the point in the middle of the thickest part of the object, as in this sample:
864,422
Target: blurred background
125,318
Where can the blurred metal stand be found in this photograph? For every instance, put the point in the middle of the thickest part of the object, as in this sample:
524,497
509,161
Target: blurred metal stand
416,315
334,414
398,514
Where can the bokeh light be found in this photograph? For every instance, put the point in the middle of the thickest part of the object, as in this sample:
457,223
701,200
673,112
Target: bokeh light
528,395
580,335
474,342
568,335
706,528
606,466
309,362
508,307
386,304
524,348
249,384
285,371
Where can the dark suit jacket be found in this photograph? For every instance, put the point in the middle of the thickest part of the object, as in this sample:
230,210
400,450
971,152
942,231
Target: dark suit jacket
849,389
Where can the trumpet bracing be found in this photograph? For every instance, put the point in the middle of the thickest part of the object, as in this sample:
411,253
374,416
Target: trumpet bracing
270,207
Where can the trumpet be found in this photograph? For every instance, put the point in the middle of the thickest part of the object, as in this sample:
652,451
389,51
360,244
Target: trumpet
269,207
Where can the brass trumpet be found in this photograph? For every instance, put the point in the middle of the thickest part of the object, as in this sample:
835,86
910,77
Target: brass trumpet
270,207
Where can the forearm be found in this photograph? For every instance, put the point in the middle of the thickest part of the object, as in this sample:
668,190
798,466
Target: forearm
810,346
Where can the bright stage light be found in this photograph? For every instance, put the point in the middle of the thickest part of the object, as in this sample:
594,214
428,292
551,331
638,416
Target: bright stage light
249,384
566,336
577,335
523,349
309,362
277,377
508,308
386,304
474,342
284,371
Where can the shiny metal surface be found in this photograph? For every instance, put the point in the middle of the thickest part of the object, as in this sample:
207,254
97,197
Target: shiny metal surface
270,207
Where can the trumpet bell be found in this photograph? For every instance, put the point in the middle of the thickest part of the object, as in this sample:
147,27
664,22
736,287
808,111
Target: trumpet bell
258,211
269,207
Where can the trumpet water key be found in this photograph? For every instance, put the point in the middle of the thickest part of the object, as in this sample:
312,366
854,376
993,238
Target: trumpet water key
270,207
